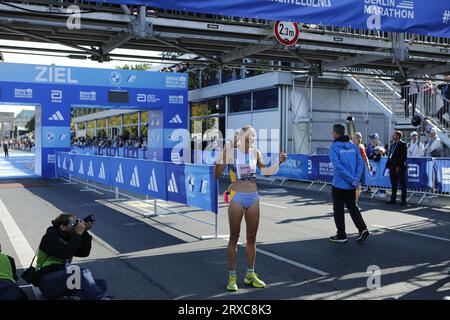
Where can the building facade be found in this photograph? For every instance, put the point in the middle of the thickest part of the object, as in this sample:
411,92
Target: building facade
290,111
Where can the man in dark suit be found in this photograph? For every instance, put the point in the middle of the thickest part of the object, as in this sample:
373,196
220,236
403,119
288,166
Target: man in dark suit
397,166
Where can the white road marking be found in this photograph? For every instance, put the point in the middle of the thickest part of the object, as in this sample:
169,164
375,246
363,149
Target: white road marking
413,233
103,243
23,249
272,205
289,261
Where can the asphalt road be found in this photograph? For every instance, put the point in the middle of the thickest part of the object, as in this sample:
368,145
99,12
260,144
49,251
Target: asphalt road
164,257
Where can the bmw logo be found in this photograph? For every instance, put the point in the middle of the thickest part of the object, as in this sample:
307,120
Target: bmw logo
191,184
116,77
50,136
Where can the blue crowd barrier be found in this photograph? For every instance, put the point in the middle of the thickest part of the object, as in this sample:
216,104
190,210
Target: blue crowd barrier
319,168
126,152
130,152
296,166
193,185
442,173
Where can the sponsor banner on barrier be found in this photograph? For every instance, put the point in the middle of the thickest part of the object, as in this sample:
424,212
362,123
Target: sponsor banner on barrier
320,168
112,152
130,153
176,186
442,173
62,163
102,170
156,183
378,176
121,173
80,166
295,167
200,186
420,173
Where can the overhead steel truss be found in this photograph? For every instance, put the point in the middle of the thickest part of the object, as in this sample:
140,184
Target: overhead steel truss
213,39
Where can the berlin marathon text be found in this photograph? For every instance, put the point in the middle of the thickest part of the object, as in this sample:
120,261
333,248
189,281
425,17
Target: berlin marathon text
389,8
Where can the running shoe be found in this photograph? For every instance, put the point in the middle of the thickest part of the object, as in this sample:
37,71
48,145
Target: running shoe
252,279
339,239
362,236
232,286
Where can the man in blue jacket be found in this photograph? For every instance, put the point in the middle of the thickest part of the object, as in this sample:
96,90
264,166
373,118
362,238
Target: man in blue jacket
348,168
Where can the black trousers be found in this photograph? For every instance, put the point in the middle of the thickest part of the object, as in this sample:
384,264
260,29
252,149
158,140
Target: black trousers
346,198
395,178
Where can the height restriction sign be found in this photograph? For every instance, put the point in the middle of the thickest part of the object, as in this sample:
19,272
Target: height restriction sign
287,33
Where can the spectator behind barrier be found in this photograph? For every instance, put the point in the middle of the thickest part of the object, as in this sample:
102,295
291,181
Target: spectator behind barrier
68,237
375,150
373,143
9,290
433,148
415,147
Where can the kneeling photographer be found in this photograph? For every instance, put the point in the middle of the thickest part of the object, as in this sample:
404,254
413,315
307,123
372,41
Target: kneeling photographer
65,239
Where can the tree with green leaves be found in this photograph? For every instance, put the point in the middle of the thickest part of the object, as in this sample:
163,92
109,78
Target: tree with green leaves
30,126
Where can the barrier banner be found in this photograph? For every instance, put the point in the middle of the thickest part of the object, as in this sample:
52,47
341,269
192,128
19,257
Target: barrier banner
142,153
62,162
201,186
80,164
442,174
155,179
418,16
295,167
121,172
102,170
90,173
420,173
176,187
112,152
320,168
378,176
130,153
